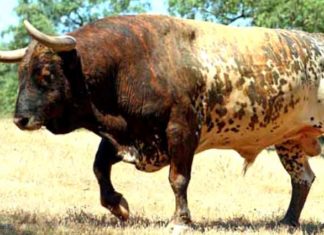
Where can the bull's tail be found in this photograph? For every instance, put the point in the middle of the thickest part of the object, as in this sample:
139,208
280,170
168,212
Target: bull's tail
249,157
246,165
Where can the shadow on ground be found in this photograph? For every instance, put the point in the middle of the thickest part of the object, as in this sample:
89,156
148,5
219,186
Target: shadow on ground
8,229
72,218
242,224
233,224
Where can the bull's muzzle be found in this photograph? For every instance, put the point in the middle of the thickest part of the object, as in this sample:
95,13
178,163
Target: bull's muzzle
27,123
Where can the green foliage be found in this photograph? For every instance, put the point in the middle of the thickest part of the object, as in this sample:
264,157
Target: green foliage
52,17
301,14
218,10
8,88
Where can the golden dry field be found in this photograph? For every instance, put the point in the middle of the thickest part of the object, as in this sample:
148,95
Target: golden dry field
47,187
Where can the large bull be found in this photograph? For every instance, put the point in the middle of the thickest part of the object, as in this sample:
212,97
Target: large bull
159,89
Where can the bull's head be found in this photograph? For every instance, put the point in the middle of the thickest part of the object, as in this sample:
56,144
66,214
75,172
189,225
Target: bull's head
43,86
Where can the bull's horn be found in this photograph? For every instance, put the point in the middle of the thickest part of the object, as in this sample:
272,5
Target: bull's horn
58,43
13,56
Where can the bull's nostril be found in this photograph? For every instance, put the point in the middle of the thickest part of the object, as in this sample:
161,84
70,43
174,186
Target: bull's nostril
21,121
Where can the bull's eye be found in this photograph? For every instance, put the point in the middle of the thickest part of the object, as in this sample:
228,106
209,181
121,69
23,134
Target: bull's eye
44,80
48,78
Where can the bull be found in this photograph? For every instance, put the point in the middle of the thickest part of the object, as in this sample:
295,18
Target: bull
159,89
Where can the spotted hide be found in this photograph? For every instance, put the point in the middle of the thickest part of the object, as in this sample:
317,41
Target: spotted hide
158,89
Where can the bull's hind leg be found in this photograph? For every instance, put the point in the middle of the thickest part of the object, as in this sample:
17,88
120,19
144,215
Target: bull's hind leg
295,161
112,200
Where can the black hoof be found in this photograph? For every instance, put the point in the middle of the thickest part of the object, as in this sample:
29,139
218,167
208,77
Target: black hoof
290,222
117,205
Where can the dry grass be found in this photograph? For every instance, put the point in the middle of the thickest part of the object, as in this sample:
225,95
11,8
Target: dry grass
47,187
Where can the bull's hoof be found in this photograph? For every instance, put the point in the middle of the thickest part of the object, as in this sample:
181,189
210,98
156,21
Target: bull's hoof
182,225
290,222
120,210
179,229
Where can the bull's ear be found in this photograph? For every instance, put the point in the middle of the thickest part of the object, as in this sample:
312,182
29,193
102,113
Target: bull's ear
14,56
71,65
70,59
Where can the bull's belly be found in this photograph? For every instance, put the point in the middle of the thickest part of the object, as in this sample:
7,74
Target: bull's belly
228,141
303,125
245,140
147,158
307,118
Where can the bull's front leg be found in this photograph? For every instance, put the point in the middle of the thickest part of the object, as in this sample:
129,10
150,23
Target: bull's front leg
112,200
295,161
182,142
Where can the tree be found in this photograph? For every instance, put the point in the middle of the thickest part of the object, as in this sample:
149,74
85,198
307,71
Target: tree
8,88
54,16
298,14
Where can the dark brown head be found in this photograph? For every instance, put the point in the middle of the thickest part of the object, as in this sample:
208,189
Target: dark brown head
44,89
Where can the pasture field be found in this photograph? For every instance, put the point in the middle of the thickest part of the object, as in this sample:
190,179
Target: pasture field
47,187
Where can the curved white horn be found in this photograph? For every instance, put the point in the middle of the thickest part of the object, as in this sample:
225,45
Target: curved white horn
13,56
58,43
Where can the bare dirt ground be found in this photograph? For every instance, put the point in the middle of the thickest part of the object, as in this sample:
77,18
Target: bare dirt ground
47,187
